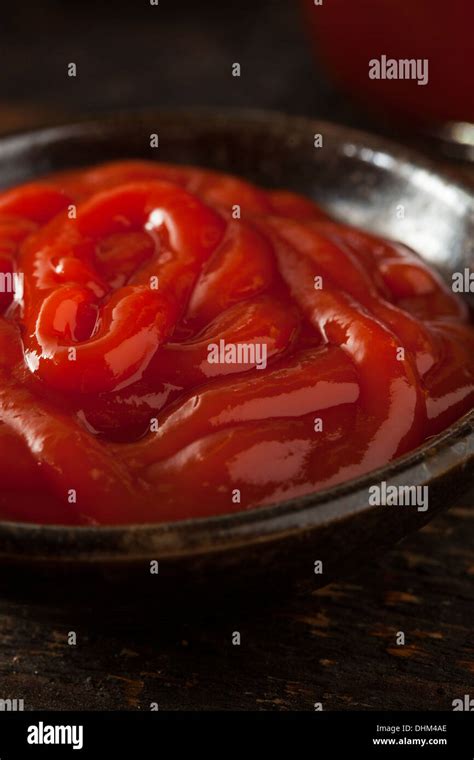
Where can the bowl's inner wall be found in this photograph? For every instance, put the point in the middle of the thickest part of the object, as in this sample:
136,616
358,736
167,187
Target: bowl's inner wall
367,186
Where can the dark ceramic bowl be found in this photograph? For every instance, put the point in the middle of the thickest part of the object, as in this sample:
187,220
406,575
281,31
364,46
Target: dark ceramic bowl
363,180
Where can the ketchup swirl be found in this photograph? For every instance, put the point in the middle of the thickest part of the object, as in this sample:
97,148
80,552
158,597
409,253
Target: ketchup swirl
337,351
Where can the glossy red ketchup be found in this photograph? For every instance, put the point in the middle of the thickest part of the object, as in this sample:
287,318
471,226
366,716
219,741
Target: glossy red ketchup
178,343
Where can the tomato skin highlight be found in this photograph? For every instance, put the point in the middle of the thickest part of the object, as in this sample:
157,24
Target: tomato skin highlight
165,359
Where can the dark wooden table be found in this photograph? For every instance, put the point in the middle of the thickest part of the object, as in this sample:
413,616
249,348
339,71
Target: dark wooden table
337,646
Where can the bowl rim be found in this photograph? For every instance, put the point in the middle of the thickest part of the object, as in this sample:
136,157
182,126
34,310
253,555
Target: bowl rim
430,461
272,119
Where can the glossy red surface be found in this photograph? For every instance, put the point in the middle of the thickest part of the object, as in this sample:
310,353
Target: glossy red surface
187,344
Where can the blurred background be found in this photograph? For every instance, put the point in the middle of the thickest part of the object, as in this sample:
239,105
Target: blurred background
295,56
177,53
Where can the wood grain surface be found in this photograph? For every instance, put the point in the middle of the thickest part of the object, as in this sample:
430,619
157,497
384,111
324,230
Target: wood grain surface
337,646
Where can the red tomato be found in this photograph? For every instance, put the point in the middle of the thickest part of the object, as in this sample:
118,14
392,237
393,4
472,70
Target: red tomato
347,35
